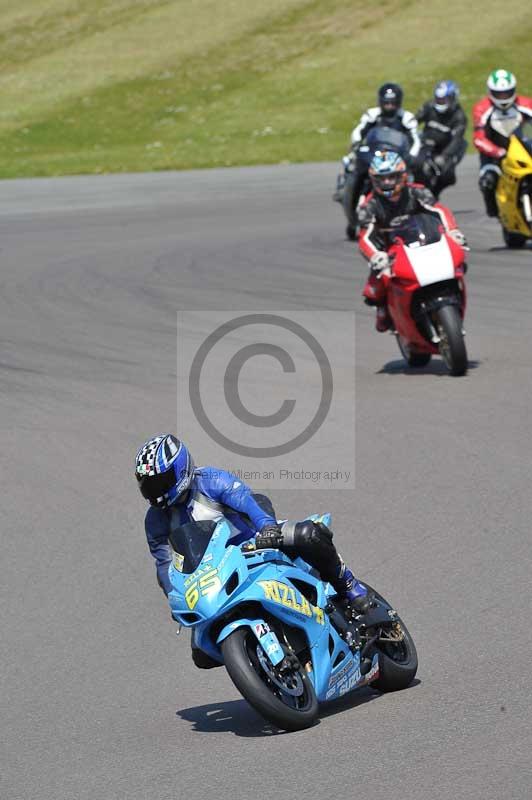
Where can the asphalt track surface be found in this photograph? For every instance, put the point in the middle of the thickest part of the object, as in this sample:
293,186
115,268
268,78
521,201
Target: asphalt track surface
100,700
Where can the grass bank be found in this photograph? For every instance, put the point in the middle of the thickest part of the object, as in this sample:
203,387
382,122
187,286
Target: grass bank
127,85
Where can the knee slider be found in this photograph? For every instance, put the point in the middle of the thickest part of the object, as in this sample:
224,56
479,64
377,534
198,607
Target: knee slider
305,534
312,533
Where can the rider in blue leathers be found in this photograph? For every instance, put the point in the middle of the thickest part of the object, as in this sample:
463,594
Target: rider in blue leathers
179,493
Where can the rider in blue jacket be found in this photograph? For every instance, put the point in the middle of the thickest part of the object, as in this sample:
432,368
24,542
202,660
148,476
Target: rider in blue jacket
179,493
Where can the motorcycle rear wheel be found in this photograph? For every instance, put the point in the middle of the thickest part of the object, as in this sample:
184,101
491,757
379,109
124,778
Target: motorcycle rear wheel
397,659
452,346
293,708
397,663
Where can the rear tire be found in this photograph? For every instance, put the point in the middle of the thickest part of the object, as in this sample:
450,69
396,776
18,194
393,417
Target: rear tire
398,660
515,241
452,346
397,664
253,682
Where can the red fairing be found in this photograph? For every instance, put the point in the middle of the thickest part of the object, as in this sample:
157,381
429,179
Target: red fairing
447,216
396,291
402,268
458,254
376,289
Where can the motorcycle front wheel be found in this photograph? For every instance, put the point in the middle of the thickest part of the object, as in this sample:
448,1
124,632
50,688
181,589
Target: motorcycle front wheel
452,346
284,697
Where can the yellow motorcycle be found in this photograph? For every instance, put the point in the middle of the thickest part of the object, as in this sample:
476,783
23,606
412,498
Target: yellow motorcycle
514,188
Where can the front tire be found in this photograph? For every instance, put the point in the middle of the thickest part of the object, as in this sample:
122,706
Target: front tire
452,346
515,241
293,708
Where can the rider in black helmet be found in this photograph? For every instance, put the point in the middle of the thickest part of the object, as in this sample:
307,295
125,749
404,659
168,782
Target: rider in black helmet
390,114
390,96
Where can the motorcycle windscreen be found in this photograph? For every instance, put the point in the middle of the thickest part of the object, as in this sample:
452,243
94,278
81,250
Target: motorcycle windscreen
189,543
416,231
389,138
433,263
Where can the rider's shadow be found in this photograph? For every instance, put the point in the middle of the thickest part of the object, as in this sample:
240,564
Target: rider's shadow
434,367
230,716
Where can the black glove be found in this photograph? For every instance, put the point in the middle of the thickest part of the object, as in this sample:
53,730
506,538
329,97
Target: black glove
270,536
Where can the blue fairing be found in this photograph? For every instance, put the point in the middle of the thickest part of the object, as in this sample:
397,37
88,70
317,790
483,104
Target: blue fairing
267,582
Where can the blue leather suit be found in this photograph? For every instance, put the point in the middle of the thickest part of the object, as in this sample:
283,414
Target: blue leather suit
214,493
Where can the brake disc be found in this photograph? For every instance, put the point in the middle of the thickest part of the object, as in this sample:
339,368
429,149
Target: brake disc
289,682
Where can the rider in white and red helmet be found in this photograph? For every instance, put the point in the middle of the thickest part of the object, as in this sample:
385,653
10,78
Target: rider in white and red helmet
494,119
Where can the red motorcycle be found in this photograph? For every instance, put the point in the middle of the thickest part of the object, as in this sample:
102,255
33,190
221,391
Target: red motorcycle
426,293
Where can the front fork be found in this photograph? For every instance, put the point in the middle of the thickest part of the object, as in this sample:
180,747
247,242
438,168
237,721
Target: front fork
265,636
425,318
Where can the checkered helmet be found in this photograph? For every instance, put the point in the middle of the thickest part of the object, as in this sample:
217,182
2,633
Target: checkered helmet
164,470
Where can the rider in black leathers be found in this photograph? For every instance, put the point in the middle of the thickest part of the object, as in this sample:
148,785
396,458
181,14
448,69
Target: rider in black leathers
442,140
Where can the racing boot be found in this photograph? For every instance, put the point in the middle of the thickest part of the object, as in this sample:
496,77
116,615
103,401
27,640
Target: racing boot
383,321
353,594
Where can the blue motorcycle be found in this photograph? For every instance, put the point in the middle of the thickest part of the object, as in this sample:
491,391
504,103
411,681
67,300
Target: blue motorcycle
280,631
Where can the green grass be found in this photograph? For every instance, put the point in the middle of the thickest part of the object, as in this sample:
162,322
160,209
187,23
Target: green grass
128,85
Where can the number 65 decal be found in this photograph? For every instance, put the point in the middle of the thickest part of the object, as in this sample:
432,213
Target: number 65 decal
210,582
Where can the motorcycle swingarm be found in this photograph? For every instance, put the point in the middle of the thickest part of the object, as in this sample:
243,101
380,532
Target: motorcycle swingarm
265,636
376,616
